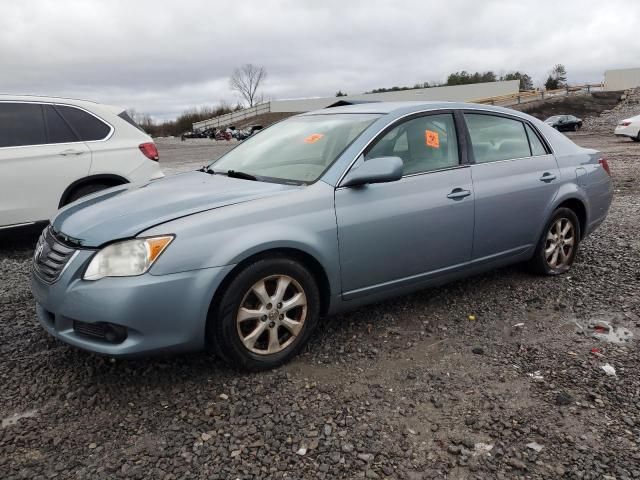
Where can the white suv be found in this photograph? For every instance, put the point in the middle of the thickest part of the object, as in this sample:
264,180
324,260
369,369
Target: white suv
56,150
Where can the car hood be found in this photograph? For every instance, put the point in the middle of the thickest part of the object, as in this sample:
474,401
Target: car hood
127,210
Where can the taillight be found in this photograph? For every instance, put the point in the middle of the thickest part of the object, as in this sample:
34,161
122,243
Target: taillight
624,124
150,151
605,165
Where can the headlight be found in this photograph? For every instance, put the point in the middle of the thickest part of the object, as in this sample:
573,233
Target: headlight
126,259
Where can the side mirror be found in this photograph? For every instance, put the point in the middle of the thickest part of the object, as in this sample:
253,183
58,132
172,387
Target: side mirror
375,170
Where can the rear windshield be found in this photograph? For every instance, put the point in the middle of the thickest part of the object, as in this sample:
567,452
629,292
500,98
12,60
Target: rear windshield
127,118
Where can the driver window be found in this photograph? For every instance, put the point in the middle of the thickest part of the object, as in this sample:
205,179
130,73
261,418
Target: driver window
424,144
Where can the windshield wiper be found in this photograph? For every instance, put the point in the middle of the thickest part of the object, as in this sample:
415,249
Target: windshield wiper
243,175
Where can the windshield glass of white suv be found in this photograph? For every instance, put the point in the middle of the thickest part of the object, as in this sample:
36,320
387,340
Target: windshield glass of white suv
298,149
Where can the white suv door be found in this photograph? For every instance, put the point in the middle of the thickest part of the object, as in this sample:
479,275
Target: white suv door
40,156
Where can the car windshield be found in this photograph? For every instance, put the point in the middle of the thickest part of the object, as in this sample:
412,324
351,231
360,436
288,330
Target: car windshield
298,149
553,119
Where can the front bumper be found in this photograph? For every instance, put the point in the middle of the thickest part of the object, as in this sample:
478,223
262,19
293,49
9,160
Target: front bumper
162,313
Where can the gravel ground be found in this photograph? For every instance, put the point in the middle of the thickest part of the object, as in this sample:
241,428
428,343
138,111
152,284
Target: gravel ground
179,156
497,376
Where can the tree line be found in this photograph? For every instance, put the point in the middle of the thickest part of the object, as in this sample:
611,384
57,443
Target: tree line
557,79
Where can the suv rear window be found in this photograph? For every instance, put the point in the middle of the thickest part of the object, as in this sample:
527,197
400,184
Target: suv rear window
21,124
85,125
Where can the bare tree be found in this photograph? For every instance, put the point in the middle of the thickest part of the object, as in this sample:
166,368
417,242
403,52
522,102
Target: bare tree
246,80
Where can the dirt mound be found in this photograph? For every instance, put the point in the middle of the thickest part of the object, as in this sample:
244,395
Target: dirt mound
608,119
582,106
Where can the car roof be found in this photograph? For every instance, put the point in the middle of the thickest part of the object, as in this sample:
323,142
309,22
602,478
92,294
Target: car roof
88,104
403,108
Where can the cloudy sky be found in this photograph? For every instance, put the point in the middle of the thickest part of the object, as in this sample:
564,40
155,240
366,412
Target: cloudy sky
163,57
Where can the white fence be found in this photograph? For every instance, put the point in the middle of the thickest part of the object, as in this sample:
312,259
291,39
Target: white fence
233,117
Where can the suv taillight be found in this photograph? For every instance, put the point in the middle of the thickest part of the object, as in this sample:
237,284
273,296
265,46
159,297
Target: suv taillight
150,151
624,124
605,165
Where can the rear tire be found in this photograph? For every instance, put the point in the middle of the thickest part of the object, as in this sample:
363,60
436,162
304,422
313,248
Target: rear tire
558,244
85,190
636,138
265,315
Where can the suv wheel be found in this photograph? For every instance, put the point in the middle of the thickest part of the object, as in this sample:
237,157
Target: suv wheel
558,245
266,314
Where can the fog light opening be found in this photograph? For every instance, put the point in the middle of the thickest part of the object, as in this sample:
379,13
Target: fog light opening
115,333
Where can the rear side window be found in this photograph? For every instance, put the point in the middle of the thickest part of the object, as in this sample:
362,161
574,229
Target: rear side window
496,138
424,144
85,125
21,124
57,128
537,148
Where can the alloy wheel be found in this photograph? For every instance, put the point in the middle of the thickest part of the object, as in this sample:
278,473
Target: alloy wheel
560,243
271,314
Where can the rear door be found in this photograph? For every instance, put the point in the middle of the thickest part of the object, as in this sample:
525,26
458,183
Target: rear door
39,158
112,152
515,179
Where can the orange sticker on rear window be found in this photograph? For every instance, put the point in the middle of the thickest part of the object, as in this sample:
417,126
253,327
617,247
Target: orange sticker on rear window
431,139
313,138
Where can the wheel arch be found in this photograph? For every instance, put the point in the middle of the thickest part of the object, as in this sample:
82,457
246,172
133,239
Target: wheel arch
578,207
107,178
305,258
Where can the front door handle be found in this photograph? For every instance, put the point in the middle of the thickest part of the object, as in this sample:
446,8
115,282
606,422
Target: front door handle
458,194
71,151
547,177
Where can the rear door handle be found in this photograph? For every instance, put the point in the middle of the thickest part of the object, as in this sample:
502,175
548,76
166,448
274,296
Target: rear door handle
458,193
71,151
547,177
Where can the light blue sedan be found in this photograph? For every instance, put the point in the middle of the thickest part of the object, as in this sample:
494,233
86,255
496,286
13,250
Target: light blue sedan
320,213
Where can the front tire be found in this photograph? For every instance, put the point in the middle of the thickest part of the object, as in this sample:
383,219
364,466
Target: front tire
558,245
266,314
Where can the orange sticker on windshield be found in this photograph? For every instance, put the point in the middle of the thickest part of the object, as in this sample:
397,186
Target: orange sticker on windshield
313,138
431,139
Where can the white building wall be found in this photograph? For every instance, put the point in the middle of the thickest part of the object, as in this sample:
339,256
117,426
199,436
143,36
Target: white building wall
622,79
458,93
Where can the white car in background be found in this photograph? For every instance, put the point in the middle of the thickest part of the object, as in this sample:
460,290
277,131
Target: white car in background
629,127
56,150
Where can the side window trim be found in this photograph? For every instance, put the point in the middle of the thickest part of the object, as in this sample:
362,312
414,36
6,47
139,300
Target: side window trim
462,150
525,122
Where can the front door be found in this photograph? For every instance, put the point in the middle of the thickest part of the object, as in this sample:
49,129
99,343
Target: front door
394,234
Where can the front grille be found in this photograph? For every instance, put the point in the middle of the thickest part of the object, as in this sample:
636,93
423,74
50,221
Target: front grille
51,256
